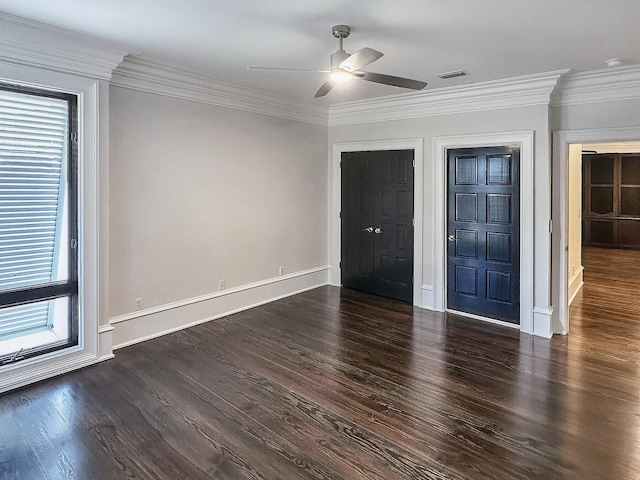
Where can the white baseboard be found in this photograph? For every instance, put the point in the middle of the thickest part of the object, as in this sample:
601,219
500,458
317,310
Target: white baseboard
105,342
428,298
45,366
575,284
542,322
154,322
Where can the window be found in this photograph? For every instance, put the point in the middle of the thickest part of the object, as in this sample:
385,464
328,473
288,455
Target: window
38,222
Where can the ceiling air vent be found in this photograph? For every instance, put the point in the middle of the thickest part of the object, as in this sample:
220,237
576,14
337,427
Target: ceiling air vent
454,74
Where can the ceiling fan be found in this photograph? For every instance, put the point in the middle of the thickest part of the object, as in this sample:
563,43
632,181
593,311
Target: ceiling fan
344,67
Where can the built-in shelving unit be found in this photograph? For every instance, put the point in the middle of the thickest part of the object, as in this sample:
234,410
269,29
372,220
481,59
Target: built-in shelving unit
611,200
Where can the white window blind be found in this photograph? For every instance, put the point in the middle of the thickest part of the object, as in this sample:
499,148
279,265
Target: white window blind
33,154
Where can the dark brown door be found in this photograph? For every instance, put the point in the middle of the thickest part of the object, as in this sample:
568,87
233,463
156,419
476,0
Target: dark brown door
377,222
483,234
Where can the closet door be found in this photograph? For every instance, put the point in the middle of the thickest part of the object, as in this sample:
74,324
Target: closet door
483,232
377,222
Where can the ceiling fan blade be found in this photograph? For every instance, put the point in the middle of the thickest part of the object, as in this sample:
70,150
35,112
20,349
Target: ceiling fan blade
251,67
324,89
359,59
391,80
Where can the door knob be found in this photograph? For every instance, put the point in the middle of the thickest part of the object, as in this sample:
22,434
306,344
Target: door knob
368,229
378,230
451,238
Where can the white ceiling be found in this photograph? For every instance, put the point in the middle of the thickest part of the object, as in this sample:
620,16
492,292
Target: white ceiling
489,39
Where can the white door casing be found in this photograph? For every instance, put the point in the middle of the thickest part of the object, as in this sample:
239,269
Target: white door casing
524,140
415,144
560,242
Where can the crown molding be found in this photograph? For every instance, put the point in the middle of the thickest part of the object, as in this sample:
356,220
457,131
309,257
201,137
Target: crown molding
146,76
33,44
511,92
611,84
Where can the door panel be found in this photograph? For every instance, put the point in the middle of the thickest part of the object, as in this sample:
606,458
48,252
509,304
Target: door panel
483,242
357,261
377,193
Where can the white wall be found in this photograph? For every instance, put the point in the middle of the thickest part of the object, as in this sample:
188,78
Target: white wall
201,193
610,114
534,118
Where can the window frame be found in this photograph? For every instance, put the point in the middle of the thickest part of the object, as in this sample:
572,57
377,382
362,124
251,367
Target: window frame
91,95
54,289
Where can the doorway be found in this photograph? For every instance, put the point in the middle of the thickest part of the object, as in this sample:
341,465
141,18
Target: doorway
483,225
377,197
534,320
568,272
603,206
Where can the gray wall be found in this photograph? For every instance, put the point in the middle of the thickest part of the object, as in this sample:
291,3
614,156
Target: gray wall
200,193
596,115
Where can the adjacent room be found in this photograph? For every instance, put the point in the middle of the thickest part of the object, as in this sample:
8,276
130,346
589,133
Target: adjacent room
329,240
604,244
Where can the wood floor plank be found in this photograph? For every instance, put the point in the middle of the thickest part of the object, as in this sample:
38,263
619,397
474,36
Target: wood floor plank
58,447
155,444
17,459
184,408
370,445
80,405
386,416
336,384
258,397
491,390
258,392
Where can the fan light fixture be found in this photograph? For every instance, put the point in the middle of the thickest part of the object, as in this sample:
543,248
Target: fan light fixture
339,76
345,66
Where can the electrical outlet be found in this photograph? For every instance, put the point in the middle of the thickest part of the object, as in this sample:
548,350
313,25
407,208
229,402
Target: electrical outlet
221,284
137,304
281,271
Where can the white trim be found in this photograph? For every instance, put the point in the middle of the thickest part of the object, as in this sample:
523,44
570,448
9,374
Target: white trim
542,318
161,79
575,284
105,342
561,141
29,43
612,84
415,144
524,140
152,323
506,93
484,319
210,296
88,349
43,367
428,301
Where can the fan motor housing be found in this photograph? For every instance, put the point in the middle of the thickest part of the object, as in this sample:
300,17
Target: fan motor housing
337,58
341,31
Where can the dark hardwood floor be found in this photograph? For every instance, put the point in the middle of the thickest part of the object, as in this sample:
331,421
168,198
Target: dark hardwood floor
335,384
